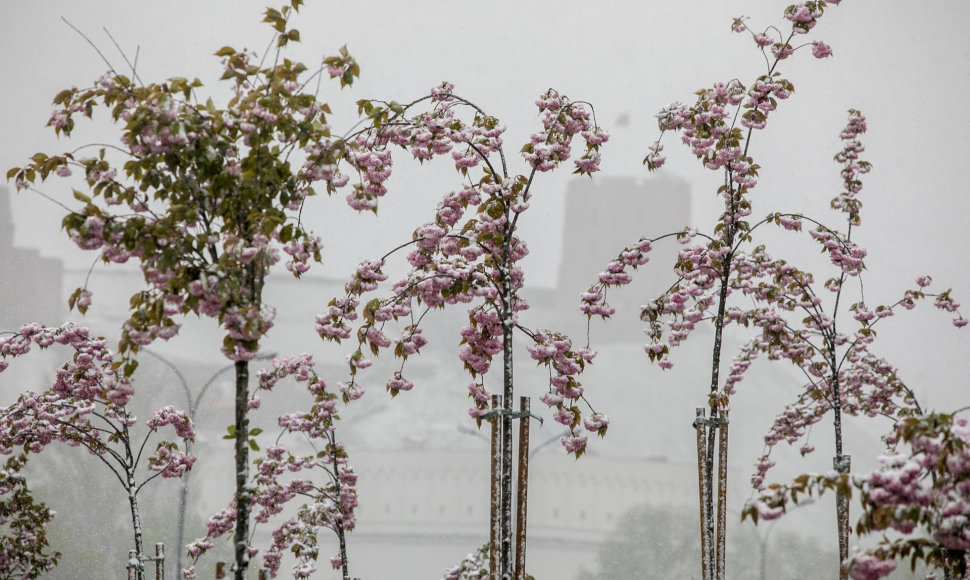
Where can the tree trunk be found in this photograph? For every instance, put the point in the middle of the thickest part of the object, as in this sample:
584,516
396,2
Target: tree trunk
339,524
506,296
139,567
955,563
183,502
243,491
713,562
506,421
842,464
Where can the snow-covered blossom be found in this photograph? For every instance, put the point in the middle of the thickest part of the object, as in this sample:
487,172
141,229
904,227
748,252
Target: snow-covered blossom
820,49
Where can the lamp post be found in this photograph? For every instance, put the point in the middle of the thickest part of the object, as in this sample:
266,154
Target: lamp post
763,541
193,406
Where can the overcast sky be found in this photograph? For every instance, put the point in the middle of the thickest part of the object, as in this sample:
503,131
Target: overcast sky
903,63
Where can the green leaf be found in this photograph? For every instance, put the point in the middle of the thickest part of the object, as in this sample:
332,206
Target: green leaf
272,15
63,96
253,445
73,298
255,432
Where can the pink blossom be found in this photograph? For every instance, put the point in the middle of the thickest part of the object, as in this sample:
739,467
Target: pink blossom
398,383
573,443
596,423
762,40
654,159
869,567
820,49
564,416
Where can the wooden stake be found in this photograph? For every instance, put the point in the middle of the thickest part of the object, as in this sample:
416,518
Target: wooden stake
495,529
523,489
722,475
159,561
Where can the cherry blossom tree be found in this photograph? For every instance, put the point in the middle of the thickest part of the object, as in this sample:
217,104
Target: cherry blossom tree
206,199
844,375
469,253
328,504
718,129
919,490
780,300
24,548
926,490
87,406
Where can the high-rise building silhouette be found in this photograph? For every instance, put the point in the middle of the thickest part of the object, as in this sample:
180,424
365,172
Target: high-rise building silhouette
30,284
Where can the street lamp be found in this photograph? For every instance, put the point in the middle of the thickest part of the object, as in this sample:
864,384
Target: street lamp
763,540
465,429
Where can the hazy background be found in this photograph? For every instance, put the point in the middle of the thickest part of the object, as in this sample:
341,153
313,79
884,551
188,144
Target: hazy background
904,64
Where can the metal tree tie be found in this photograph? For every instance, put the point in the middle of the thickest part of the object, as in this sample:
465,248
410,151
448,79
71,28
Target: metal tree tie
510,413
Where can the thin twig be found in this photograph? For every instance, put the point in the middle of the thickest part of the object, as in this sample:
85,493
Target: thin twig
94,46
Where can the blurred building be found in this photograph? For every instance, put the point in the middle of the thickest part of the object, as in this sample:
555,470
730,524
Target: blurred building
30,284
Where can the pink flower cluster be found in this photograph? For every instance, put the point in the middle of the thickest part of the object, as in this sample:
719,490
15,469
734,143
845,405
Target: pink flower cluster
300,252
374,167
852,167
763,97
919,494
179,420
439,132
706,127
24,548
804,16
473,567
91,374
594,299
869,567
562,120
556,351
169,461
333,325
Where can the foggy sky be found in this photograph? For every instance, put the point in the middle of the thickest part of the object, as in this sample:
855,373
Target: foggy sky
902,63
